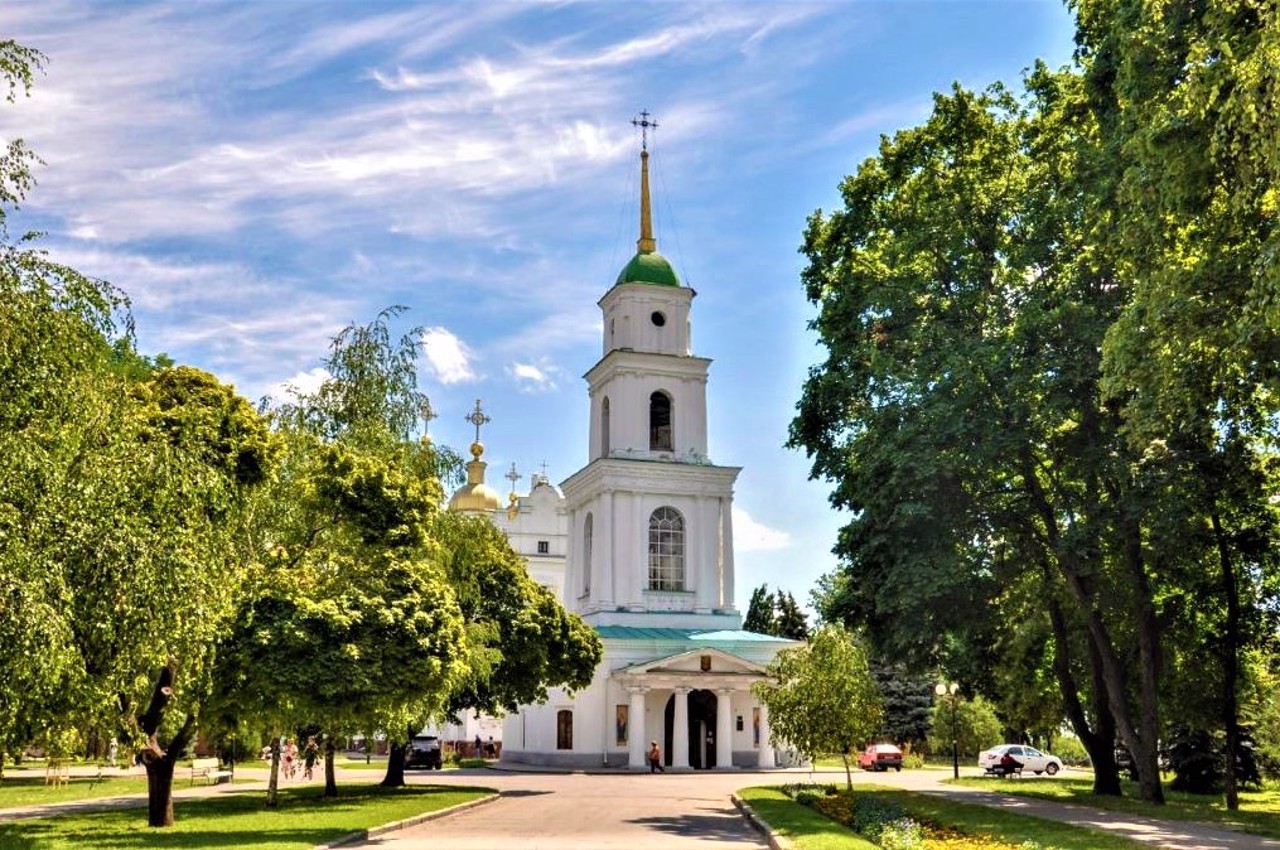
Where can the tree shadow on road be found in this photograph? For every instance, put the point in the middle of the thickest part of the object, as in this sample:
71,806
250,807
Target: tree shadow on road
711,824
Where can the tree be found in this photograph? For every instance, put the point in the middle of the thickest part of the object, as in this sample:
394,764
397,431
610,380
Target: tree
121,490
775,614
908,704
976,726
761,617
351,623
1182,96
791,622
821,696
960,414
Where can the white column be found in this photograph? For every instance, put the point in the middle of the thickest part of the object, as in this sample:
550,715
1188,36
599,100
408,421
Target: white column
708,564
724,729
764,752
726,551
608,557
637,744
680,731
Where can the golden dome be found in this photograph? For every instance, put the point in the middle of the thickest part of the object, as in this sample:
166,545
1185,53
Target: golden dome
475,495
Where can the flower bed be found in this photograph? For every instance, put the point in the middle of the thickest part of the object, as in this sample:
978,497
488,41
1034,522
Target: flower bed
889,825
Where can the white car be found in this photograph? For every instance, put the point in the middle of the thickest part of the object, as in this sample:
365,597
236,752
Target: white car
1029,757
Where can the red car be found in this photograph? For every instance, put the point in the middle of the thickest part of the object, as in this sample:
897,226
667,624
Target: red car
880,757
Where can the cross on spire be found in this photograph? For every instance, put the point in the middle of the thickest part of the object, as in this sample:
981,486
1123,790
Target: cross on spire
646,244
643,122
427,412
513,476
477,418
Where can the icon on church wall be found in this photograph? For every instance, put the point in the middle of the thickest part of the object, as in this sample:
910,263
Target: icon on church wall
622,716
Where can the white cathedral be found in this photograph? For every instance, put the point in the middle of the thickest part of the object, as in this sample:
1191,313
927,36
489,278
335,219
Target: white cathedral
639,542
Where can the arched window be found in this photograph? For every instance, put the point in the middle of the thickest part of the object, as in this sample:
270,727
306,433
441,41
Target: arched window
660,438
564,729
587,532
666,550
604,427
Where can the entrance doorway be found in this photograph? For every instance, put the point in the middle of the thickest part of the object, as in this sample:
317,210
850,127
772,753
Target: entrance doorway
700,733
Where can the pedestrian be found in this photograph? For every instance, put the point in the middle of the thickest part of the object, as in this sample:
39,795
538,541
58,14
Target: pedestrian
290,758
309,755
479,747
113,752
655,758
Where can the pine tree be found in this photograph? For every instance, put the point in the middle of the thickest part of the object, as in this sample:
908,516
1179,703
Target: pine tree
790,621
760,613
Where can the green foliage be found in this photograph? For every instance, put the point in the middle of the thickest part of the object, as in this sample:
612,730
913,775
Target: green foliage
792,622
976,727
761,615
522,641
821,697
908,704
775,614
1071,751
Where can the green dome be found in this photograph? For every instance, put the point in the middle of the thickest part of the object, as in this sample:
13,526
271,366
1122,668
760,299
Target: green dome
649,268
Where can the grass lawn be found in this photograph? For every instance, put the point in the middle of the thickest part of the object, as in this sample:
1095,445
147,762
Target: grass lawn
805,828
28,789
1259,810
239,820
809,830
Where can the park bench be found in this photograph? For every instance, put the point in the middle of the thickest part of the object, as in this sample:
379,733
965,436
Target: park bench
57,773
209,769
1004,770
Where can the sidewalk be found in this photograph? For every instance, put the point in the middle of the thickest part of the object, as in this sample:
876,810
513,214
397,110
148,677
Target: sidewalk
1183,835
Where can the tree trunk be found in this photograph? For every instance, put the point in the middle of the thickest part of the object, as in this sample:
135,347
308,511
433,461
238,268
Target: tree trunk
395,766
1230,662
159,791
158,761
1146,758
330,780
848,773
273,783
1099,740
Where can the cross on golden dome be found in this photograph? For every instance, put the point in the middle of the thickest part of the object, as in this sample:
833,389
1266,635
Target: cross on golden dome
477,418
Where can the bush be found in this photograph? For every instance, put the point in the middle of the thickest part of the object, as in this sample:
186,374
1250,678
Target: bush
1071,751
912,761
902,834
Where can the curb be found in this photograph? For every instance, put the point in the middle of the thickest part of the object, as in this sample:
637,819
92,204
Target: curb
378,831
776,841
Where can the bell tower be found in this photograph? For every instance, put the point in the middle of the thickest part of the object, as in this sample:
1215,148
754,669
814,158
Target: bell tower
651,536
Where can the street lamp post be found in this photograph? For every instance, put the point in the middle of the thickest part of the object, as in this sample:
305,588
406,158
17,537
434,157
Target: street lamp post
949,690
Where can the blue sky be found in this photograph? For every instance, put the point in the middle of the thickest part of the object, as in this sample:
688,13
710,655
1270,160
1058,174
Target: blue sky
258,175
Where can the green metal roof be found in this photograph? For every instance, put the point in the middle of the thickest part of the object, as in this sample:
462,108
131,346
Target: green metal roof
649,268
699,636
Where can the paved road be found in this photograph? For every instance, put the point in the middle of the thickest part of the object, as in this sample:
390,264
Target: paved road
545,811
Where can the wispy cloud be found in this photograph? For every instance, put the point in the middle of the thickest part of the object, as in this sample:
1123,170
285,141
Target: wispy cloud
749,535
449,358
532,378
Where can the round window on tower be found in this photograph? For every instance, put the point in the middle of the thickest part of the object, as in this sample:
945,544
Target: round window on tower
658,318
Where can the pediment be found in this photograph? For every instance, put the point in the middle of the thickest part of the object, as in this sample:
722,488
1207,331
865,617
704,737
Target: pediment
692,661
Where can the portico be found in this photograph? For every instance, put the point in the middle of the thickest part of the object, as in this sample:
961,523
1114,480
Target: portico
698,704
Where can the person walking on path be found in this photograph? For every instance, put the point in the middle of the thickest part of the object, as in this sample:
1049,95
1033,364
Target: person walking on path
655,758
310,753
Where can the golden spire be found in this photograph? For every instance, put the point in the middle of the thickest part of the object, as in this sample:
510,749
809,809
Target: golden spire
646,244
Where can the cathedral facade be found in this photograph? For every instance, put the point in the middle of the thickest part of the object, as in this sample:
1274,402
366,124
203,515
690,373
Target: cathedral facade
639,542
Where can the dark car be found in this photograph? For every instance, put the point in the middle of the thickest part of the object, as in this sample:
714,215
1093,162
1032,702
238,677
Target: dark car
423,751
880,757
